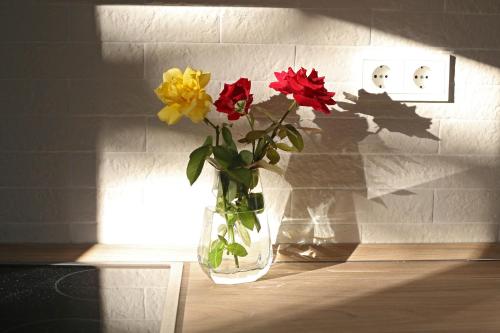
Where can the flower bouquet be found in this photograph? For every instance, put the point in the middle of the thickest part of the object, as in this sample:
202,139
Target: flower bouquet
235,245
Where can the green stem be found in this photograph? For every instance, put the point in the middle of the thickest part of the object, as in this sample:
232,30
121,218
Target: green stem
230,231
215,127
290,108
253,142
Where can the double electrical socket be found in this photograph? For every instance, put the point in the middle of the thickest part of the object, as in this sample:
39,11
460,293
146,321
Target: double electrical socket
408,79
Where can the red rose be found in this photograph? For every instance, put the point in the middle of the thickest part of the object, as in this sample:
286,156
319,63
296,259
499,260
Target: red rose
235,99
307,90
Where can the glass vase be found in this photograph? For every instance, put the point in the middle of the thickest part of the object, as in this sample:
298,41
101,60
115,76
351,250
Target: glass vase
235,244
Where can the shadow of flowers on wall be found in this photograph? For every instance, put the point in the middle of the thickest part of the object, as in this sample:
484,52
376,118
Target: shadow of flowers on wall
335,184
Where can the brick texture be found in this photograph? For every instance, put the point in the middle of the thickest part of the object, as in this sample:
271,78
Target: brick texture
83,157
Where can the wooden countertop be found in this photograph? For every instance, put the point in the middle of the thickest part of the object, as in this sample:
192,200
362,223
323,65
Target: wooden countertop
349,288
335,288
415,296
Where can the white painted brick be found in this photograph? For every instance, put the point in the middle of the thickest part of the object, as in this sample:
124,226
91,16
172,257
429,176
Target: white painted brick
293,26
33,60
83,170
423,5
34,233
184,136
473,6
404,172
411,29
33,23
117,23
428,233
121,134
112,97
335,63
454,206
84,233
472,31
107,60
318,233
33,97
360,4
359,135
226,61
36,170
478,102
72,133
474,102
342,206
470,137
262,93
48,205
104,76
278,206
339,171
117,169
48,170
478,67
78,60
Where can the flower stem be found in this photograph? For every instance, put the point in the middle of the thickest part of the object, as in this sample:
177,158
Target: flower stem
290,108
215,127
230,230
251,127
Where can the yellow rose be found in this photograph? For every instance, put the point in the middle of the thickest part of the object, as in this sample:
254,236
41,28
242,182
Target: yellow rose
184,95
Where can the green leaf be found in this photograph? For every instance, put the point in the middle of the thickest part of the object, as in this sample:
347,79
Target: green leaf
217,244
270,167
228,138
256,201
232,189
241,175
257,223
254,135
230,219
244,235
294,137
196,162
260,150
255,178
222,230
224,156
246,157
222,239
282,132
216,252
237,249
215,257
285,147
272,155
208,141
247,219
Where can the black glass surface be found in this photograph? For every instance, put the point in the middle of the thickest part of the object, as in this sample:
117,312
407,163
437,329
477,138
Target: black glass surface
81,299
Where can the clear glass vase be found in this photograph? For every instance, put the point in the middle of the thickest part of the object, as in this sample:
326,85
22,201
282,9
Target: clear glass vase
235,244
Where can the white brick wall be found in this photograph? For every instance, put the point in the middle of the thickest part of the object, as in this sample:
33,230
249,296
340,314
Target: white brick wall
83,157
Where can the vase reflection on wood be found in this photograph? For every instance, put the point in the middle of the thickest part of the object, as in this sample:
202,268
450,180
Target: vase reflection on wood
235,244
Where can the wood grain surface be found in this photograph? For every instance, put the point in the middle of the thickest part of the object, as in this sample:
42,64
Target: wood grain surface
417,296
382,252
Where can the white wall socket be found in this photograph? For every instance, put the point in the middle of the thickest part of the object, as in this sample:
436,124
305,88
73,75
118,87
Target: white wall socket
408,79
